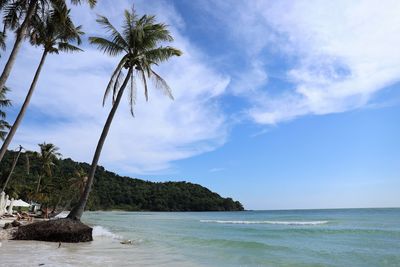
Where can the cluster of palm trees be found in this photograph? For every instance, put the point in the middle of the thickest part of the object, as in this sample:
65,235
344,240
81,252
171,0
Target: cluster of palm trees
48,24
46,157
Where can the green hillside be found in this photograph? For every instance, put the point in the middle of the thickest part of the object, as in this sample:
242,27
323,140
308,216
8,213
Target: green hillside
110,190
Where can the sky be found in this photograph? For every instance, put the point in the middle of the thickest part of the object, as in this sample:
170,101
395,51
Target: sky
278,104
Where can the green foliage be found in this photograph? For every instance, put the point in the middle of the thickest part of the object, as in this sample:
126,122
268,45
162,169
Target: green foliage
54,31
110,191
4,102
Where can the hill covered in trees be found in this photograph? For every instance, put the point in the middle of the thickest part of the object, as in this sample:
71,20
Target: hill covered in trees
59,185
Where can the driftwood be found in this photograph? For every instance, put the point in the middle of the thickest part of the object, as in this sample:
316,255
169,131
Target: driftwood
59,230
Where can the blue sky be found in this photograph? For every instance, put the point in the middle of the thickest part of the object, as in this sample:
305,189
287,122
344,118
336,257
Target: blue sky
279,104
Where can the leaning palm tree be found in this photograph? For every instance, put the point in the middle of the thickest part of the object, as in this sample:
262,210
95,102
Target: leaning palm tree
48,154
4,102
17,11
139,48
12,167
54,32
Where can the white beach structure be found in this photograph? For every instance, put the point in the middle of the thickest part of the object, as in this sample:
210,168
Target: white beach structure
10,207
6,200
2,202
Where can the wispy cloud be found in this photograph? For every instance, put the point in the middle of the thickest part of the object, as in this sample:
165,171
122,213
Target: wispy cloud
336,55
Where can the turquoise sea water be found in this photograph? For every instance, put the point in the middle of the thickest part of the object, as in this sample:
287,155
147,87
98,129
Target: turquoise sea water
348,237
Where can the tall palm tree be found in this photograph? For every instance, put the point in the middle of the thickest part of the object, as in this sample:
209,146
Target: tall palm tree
17,11
4,102
48,154
54,32
139,48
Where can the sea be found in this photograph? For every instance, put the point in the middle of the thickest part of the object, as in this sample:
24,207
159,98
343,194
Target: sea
335,237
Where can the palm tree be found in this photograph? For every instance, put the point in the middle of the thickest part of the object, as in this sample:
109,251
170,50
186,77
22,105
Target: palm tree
12,167
139,47
48,153
79,181
54,32
16,11
4,102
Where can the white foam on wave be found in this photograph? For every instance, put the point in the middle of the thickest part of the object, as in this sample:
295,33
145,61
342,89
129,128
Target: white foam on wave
267,222
99,231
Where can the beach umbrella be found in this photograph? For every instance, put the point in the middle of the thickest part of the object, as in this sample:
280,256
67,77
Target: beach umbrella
18,203
21,203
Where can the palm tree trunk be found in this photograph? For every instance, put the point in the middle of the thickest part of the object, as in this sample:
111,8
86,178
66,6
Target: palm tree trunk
24,107
12,168
18,42
38,184
77,211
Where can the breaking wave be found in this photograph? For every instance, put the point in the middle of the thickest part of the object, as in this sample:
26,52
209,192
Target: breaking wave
267,222
99,231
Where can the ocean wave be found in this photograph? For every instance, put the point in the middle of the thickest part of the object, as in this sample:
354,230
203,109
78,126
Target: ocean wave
267,222
99,231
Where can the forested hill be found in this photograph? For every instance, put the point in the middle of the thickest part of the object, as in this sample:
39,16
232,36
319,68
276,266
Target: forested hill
62,186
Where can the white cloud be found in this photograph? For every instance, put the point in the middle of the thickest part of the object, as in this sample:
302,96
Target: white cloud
339,54
71,88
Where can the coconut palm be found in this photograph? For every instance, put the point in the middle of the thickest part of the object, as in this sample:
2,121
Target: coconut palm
79,180
4,102
19,16
138,45
48,154
54,32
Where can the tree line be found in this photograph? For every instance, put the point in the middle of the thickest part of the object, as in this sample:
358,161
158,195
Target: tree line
58,183
139,44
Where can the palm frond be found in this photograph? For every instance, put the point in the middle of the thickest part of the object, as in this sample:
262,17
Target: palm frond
106,46
113,78
66,47
91,3
132,94
3,3
12,14
115,36
161,84
118,80
4,102
161,54
2,41
144,81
